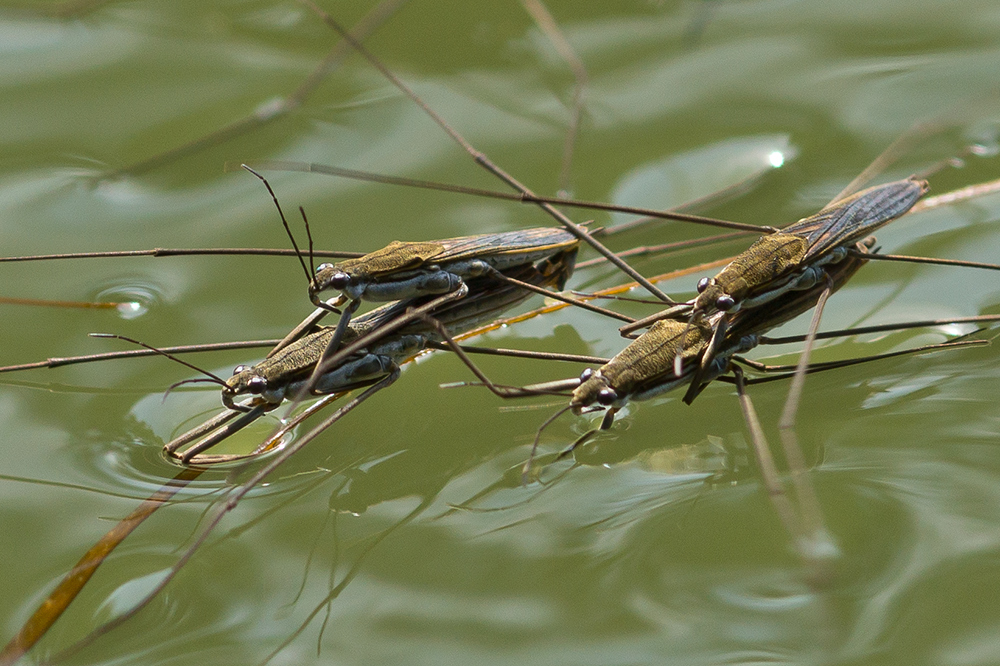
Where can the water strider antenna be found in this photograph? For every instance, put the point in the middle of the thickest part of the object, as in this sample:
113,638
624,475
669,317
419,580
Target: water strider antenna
284,222
210,377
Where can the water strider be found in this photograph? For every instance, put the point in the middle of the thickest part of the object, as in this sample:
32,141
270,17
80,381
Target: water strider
407,270
795,259
792,258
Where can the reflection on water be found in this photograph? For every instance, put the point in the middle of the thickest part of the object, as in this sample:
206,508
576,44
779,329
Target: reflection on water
403,535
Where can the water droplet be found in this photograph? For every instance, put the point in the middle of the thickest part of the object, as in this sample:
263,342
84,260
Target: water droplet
776,159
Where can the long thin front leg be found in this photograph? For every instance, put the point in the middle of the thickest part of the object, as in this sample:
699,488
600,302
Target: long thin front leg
331,349
223,433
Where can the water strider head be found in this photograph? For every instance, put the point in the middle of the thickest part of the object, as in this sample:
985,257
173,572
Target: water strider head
711,296
352,277
274,381
594,388
327,276
250,380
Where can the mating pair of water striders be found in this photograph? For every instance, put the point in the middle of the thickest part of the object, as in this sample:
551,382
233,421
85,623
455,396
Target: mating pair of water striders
447,287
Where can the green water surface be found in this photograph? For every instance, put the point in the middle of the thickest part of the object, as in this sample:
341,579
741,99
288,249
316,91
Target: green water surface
402,535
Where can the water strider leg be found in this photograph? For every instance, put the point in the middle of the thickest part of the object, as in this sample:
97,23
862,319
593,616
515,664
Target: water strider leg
718,335
930,260
219,421
59,361
882,328
305,325
180,252
215,436
650,214
606,422
788,371
557,296
338,334
497,389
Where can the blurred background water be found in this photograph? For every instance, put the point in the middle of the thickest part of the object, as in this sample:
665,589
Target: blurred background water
402,535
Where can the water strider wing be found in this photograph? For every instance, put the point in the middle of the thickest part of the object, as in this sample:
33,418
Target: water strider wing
531,243
857,216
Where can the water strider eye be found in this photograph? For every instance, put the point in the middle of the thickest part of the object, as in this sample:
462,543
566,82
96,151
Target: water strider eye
257,385
725,303
586,374
703,284
339,280
606,396
238,369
